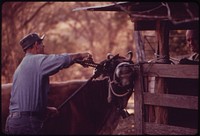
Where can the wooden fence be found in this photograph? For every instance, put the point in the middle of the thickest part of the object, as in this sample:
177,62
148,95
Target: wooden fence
143,98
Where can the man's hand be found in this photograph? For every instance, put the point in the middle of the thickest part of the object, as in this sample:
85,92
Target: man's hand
81,58
52,111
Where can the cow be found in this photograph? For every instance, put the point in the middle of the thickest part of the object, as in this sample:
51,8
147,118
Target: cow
95,109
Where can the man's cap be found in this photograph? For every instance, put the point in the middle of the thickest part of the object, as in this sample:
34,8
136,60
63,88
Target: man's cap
30,39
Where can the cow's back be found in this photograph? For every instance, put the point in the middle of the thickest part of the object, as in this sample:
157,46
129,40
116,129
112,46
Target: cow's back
60,91
5,100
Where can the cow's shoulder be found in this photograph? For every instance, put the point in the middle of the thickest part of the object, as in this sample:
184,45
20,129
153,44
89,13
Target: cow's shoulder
59,91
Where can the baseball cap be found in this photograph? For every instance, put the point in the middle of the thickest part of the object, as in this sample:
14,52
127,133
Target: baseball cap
30,39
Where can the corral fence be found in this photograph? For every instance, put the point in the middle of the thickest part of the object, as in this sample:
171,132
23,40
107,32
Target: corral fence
145,99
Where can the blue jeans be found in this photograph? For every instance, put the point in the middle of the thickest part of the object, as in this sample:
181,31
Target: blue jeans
23,125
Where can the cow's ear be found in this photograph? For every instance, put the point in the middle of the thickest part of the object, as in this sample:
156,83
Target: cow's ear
109,56
130,55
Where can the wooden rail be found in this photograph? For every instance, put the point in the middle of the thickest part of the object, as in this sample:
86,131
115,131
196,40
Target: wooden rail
143,98
171,71
171,100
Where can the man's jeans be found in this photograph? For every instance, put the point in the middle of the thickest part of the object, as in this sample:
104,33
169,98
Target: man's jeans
23,125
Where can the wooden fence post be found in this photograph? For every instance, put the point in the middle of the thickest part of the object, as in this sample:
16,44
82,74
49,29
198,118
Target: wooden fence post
138,104
162,30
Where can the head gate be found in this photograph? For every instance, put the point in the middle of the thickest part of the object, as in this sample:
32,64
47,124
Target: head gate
122,82
122,74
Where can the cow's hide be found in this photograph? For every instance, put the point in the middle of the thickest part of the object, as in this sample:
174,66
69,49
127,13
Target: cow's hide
5,99
88,112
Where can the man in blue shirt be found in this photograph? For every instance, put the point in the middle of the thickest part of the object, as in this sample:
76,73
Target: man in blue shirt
28,102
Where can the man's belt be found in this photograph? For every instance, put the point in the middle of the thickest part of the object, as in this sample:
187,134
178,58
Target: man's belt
27,113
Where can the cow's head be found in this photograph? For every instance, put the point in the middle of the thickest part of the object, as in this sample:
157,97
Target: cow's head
121,80
124,75
120,73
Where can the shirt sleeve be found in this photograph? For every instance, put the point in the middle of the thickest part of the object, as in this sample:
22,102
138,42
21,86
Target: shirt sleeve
51,64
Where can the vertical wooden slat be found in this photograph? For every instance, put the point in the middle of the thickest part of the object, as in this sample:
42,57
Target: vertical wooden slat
138,104
140,55
151,89
163,41
162,31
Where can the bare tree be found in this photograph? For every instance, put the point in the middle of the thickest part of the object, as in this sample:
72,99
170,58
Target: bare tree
66,31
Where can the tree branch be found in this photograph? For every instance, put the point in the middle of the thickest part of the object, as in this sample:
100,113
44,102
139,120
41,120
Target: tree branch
34,14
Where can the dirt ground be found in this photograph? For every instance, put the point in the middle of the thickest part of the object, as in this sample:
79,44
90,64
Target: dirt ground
125,126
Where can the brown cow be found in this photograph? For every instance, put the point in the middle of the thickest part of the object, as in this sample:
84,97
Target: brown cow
88,112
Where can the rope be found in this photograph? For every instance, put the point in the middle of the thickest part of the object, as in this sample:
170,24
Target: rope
118,95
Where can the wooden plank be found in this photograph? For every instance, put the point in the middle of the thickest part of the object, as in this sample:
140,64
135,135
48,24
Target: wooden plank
161,129
138,104
171,100
141,25
172,71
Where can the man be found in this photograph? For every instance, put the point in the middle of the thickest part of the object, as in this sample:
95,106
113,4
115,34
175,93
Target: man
184,117
28,102
192,38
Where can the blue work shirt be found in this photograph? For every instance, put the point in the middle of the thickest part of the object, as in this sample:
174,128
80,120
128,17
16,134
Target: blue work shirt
31,80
